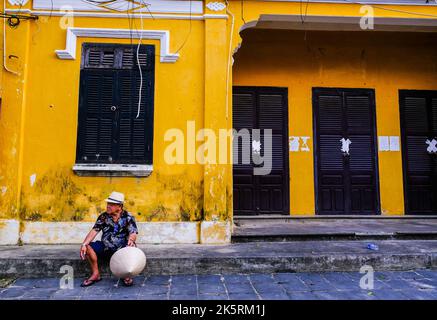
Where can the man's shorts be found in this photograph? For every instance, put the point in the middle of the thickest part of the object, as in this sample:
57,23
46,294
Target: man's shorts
99,249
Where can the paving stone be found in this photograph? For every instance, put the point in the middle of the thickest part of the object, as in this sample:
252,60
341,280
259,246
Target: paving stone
261,278
38,283
346,285
183,297
157,280
68,293
179,290
126,290
243,296
123,296
39,292
96,290
387,275
65,298
380,285
211,288
236,278
183,279
316,282
421,294
410,275
386,294
285,277
334,277
23,282
295,285
154,289
400,284
105,283
355,294
212,297
365,294
332,295
355,276
274,296
423,284
152,297
239,288
13,293
209,279
302,296
95,297
430,274
265,285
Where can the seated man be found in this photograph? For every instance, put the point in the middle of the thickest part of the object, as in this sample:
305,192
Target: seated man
118,230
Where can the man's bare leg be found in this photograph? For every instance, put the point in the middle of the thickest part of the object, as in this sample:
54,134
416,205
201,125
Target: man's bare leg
92,259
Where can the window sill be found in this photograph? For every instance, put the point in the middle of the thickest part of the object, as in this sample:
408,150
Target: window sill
112,170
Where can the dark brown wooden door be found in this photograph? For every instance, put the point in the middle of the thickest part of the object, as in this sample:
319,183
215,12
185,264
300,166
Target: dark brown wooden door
345,151
260,108
418,110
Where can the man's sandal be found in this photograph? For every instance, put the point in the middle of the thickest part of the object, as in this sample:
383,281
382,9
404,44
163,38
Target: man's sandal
128,283
88,282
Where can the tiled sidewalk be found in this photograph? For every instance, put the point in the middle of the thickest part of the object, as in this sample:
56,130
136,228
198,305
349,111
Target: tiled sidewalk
419,284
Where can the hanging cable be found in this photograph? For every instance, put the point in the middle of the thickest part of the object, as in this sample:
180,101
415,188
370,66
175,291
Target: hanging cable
229,57
392,10
242,11
188,35
138,61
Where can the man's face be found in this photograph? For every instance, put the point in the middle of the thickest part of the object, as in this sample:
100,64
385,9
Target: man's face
112,208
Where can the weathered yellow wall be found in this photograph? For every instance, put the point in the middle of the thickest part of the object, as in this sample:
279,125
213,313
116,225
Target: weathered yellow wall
52,92
385,62
38,120
11,118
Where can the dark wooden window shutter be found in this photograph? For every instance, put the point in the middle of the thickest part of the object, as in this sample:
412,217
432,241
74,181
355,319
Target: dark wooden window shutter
109,130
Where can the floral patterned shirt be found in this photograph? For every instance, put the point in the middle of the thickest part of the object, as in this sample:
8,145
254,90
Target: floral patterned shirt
115,234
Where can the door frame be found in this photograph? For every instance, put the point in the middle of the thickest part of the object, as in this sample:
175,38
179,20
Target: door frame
316,151
284,91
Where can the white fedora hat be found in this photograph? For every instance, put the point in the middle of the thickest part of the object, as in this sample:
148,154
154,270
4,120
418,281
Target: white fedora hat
115,197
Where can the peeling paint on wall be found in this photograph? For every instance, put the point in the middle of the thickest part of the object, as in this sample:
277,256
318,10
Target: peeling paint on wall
32,179
59,195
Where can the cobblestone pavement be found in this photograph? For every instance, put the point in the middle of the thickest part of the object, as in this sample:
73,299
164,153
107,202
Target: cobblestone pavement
419,284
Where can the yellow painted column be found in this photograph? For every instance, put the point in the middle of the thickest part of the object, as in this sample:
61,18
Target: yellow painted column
13,87
216,227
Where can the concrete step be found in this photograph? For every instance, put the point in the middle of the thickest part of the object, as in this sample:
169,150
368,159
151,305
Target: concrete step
334,236
280,229
263,257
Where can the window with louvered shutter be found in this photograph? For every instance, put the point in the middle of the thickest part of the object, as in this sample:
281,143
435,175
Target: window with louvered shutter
115,126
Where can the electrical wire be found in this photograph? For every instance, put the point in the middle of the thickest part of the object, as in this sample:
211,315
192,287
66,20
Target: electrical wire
229,57
242,11
392,10
138,62
189,32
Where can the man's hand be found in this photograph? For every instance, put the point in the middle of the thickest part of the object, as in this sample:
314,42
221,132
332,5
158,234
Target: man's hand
83,250
131,240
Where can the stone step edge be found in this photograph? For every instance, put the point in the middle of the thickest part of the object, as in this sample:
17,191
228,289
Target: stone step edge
241,237
218,265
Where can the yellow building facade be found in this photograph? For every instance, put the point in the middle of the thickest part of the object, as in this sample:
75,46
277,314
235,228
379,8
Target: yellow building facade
202,52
